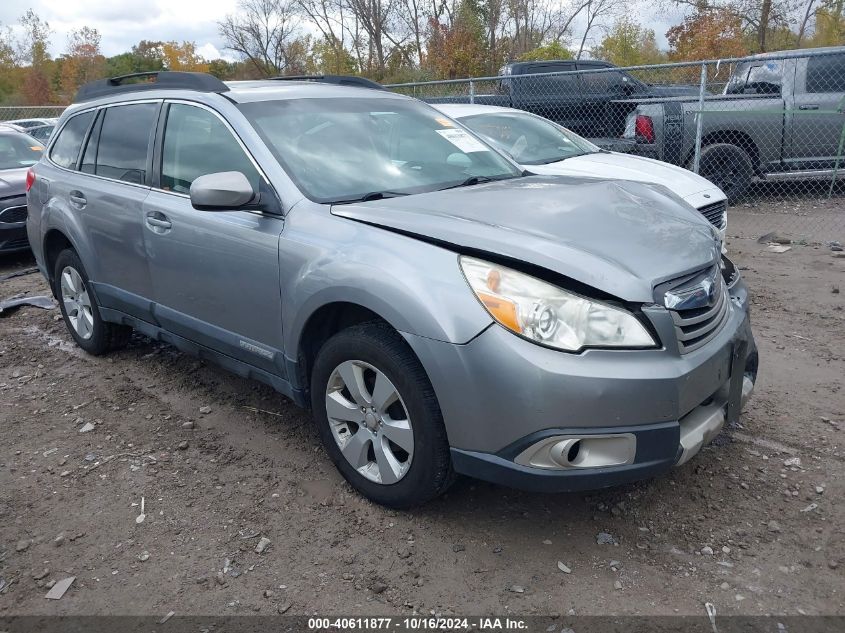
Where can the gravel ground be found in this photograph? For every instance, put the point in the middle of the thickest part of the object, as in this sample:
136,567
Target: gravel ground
754,524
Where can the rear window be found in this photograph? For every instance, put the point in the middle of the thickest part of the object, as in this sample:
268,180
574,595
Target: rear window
124,142
66,148
826,74
756,78
18,150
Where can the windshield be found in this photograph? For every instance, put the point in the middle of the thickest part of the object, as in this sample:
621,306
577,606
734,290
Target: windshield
530,140
342,150
18,150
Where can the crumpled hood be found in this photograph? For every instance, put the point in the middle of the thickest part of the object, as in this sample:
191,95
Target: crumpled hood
626,167
620,237
12,182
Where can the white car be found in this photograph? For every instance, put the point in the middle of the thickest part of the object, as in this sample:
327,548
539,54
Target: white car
543,147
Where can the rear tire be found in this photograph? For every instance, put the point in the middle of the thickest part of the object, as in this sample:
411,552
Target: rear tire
414,469
80,310
727,166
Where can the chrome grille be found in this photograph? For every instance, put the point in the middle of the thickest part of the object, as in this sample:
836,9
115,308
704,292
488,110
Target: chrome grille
10,215
715,213
695,328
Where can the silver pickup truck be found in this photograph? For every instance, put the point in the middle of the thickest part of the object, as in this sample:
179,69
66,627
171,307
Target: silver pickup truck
778,118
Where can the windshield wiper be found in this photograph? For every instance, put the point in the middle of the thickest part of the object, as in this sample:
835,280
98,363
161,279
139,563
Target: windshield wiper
373,195
472,180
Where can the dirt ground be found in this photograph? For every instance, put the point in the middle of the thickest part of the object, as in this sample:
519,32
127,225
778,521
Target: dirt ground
754,524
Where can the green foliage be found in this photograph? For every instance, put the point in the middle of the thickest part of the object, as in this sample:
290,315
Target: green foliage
629,44
552,50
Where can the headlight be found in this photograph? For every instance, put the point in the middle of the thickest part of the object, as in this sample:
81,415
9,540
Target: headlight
549,315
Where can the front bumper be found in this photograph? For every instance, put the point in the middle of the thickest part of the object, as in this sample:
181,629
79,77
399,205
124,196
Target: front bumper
501,395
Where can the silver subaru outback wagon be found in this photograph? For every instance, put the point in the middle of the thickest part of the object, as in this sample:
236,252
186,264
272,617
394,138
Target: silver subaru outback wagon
438,309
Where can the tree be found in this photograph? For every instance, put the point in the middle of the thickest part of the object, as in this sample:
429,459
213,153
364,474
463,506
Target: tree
708,34
552,50
262,32
176,56
629,44
459,49
596,12
830,24
83,61
33,50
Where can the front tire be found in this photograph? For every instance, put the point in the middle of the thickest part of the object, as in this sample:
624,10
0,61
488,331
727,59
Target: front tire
80,309
378,417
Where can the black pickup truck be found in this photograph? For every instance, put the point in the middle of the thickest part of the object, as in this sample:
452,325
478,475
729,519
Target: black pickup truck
581,100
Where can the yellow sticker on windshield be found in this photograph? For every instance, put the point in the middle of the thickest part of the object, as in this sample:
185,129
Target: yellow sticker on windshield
444,122
36,148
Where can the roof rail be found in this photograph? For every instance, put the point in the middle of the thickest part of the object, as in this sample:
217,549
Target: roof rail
154,80
340,80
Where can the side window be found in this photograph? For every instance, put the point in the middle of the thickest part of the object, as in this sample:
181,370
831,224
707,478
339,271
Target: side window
124,141
197,143
826,74
602,83
65,150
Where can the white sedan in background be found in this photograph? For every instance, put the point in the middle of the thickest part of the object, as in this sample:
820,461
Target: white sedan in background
543,147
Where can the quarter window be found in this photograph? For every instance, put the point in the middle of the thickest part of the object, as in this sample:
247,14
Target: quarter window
124,141
826,74
197,143
65,150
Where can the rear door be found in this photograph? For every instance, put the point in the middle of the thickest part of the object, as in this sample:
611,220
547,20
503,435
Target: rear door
109,191
816,120
599,87
215,273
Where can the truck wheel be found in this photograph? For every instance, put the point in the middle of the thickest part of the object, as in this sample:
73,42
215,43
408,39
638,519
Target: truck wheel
378,417
728,167
80,310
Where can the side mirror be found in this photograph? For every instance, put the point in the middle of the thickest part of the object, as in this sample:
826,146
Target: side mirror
223,191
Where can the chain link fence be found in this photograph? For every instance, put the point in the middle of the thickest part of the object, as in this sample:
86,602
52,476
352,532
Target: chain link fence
769,130
37,121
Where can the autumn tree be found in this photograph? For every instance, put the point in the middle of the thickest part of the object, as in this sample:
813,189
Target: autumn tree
33,51
707,34
184,57
82,62
458,49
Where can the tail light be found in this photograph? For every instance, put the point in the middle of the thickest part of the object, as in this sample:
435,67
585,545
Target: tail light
644,128
30,178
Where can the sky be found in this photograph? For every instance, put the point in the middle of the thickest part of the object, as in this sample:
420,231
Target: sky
122,23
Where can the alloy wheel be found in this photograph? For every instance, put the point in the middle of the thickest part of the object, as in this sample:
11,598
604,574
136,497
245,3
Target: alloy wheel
369,421
77,303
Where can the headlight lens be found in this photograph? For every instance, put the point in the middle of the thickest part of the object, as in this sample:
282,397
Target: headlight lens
549,315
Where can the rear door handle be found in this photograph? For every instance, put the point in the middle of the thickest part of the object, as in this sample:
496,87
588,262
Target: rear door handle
158,222
809,106
77,199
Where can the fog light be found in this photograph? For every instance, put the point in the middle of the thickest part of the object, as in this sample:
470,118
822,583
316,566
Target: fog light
584,451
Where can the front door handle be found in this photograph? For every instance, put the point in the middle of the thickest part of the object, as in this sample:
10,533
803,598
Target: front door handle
158,222
809,106
77,199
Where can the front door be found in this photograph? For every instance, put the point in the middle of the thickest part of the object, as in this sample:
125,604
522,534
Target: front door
215,273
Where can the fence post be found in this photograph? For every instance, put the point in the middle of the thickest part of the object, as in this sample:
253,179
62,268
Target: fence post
702,88
471,91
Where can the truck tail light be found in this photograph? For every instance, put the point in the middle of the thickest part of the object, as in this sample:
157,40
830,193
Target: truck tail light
644,128
30,178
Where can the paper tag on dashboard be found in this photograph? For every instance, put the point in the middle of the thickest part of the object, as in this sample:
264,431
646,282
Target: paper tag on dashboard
463,141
